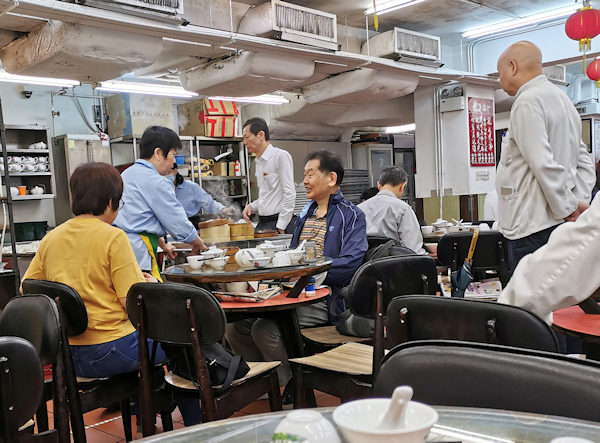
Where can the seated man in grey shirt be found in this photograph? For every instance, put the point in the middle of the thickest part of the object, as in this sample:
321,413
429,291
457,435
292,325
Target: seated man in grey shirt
388,216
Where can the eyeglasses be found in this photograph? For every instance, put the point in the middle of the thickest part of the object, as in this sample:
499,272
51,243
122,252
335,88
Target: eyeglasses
121,204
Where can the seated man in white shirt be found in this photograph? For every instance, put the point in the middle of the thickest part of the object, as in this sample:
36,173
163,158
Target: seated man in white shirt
388,216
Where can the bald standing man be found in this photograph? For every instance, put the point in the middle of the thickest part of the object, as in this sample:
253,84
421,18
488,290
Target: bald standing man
545,175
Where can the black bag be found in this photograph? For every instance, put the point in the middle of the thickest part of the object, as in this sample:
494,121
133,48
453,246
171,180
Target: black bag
223,365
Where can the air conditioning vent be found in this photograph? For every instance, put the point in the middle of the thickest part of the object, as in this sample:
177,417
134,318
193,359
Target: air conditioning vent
304,25
406,46
164,10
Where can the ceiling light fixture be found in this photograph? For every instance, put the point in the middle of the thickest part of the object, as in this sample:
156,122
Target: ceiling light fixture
146,88
176,40
400,129
392,5
343,65
508,25
269,99
44,81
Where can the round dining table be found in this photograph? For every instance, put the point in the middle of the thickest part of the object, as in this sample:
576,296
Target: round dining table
575,322
280,308
454,425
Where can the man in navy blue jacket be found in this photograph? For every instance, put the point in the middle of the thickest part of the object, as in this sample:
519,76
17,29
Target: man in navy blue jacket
338,229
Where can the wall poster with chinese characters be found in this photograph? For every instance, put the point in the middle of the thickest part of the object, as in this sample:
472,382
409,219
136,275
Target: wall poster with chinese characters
481,132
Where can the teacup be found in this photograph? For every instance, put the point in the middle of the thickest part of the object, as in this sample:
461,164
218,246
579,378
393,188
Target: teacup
29,167
29,160
281,259
426,230
42,159
15,167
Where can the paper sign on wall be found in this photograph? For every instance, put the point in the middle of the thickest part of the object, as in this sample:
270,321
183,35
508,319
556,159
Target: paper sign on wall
481,132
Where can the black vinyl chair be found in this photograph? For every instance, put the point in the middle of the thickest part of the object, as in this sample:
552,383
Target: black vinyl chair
178,314
35,318
347,370
490,253
85,394
422,317
481,375
21,391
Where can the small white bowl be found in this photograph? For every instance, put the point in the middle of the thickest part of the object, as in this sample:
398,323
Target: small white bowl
295,256
269,248
358,420
195,261
426,230
213,252
306,425
218,263
260,262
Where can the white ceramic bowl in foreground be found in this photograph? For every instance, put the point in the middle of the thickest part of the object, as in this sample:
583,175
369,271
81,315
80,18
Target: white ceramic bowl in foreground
305,425
195,261
358,421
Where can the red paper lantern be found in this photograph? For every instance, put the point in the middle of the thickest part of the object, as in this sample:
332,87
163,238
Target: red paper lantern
593,72
583,25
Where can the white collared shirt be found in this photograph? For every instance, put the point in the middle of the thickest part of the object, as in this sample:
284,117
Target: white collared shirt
544,168
276,191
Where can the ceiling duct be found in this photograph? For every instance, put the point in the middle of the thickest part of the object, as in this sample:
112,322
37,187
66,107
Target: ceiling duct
247,74
163,10
360,86
406,46
78,52
292,23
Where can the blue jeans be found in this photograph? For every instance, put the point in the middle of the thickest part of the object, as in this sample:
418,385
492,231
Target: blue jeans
517,249
121,356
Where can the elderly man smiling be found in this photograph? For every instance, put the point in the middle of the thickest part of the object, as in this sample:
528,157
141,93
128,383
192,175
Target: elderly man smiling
338,229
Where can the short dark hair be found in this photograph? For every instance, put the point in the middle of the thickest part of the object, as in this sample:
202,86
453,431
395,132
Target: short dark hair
158,137
93,186
368,193
328,162
393,175
257,124
178,177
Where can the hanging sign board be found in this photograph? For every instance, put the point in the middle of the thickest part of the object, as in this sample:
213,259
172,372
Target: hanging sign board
481,132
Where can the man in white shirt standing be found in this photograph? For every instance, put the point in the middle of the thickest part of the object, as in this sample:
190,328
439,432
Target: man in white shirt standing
388,216
274,176
545,174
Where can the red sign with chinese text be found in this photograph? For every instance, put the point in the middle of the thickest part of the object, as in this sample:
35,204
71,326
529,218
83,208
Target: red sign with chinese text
481,132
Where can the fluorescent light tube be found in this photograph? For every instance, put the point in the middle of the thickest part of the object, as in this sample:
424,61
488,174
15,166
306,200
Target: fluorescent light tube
270,99
146,88
392,5
44,81
520,22
400,129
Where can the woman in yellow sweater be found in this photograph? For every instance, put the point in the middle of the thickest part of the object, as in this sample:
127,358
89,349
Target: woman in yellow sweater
96,259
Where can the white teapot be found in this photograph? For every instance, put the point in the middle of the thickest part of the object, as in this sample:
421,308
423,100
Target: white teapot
37,190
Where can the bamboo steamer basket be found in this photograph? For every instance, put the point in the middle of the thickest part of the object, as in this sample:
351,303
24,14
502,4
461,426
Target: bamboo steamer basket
241,231
214,231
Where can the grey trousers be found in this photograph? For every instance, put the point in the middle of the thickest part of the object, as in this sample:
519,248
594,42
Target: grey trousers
259,339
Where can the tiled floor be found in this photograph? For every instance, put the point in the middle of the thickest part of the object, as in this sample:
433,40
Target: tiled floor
107,427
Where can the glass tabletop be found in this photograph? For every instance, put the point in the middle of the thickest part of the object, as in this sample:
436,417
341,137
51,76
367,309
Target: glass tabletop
454,424
233,269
